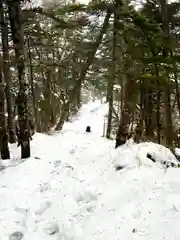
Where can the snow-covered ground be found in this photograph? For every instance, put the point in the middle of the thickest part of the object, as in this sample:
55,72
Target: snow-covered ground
70,190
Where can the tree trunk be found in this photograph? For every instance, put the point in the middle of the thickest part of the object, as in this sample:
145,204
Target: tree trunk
35,112
78,95
158,104
16,21
47,100
149,113
175,72
126,115
177,86
139,127
110,102
7,78
159,125
167,96
77,102
63,117
111,78
168,117
122,95
4,150
53,98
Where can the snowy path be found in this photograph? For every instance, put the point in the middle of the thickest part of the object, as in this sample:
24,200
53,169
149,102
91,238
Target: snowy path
69,190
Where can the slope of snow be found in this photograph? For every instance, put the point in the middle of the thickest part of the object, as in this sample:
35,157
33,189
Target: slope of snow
69,188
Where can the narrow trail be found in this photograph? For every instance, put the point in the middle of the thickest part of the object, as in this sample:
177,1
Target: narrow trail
69,190
54,180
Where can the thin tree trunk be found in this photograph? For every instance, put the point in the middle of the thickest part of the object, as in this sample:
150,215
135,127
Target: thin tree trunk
112,76
53,98
158,103
65,113
78,95
168,115
77,102
32,86
7,78
15,16
110,102
40,113
139,127
122,95
149,108
149,114
177,90
4,150
47,100
176,84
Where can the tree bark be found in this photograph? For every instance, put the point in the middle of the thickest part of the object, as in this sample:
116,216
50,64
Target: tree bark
126,115
15,16
77,103
139,127
35,111
158,104
167,96
176,85
7,77
110,102
149,113
168,117
111,78
4,150
48,99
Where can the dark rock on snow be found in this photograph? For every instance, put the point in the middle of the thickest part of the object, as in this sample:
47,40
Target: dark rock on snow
150,157
88,129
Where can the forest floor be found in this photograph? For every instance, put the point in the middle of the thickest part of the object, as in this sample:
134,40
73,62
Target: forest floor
70,190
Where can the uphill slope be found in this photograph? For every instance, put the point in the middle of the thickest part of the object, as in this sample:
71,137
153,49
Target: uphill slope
69,188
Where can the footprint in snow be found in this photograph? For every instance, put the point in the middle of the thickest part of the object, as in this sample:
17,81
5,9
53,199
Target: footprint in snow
16,236
86,197
67,166
43,208
91,208
21,210
57,163
64,236
51,228
44,187
73,150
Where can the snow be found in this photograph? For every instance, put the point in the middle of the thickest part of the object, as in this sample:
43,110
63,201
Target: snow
70,190
131,154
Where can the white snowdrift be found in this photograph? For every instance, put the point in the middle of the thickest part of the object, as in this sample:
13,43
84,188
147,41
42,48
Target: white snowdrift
130,155
70,190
